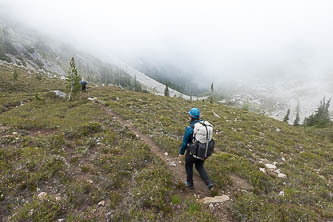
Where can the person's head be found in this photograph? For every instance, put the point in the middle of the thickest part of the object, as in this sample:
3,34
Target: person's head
194,114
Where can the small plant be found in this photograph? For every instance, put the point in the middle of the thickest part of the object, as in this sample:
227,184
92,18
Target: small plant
15,75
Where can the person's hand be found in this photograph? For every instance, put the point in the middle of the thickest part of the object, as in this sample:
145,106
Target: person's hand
181,157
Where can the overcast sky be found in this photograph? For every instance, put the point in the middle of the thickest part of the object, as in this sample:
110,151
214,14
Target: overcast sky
219,39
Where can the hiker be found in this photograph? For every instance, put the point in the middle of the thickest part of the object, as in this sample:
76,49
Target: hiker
83,84
190,158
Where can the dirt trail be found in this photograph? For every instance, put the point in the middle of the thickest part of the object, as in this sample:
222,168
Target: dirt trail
177,168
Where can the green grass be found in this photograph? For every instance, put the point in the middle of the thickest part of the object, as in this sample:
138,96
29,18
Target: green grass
75,151
79,156
244,142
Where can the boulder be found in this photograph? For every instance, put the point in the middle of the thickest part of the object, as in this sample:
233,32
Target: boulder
58,94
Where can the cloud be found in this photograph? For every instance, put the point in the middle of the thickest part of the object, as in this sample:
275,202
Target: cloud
222,40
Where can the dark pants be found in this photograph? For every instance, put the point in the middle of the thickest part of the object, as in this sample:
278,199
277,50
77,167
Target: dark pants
189,161
83,88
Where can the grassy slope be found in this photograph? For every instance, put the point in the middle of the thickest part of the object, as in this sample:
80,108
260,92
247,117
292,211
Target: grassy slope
61,147
246,141
79,156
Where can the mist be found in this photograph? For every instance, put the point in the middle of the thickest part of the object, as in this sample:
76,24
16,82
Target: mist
220,41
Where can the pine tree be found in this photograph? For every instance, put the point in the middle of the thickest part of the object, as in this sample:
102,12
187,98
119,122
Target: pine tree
211,93
73,80
286,118
296,121
321,117
166,91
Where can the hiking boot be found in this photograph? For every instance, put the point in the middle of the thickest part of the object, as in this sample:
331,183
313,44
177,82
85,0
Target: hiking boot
189,185
210,187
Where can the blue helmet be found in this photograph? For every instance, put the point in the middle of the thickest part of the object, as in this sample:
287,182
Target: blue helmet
194,113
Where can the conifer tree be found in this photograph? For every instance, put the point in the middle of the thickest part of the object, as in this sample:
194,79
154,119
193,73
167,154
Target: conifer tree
73,79
211,93
321,117
296,121
286,118
166,91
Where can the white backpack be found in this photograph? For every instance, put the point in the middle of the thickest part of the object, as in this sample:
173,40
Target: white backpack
203,143
203,132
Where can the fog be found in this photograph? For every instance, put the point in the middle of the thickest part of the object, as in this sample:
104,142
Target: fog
224,41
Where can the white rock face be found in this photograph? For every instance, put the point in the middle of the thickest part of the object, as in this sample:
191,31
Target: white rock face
151,84
216,199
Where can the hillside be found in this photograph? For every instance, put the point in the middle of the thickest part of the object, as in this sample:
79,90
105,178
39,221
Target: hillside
27,48
101,158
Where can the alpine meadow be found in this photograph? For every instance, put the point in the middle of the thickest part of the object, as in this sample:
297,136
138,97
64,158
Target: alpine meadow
166,111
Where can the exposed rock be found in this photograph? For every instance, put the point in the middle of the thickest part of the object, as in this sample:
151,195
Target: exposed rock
283,159
278,130
270,166
102,203
166,153
173,164
282,175
42,195
262,170
216,199
216,115
59,93
281,193
92,98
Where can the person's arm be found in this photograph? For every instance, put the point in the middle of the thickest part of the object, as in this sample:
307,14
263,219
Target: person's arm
186,139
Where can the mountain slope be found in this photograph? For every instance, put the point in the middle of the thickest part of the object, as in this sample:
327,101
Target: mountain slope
22,46
80,156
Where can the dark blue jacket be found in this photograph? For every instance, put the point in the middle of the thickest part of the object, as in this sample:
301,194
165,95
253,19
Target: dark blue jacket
187,136
83,83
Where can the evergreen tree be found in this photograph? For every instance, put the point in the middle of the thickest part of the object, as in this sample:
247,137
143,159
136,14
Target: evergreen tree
211,93
166,91
296,121
321,117
73,80
286,118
